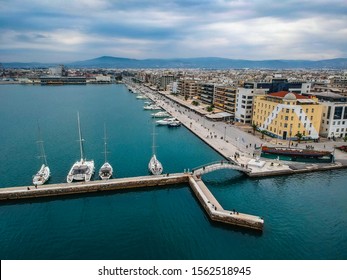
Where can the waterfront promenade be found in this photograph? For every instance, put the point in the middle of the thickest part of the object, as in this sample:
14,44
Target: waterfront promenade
228,140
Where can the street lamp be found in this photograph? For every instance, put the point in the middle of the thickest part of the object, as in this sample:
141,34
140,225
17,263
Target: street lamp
225,133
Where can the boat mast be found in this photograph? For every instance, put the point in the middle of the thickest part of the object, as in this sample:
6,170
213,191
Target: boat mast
41,147
80,135
105,143
153,140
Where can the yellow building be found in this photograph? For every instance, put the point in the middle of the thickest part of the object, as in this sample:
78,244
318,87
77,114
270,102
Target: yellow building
285,114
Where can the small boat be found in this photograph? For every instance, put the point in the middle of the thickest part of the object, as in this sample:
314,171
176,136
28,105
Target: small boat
295,153
152,107
165,121
154,166
106,170
140,96
44,173
174,124
161,114
83,169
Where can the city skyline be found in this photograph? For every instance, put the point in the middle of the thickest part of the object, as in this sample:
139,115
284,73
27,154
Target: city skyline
48,31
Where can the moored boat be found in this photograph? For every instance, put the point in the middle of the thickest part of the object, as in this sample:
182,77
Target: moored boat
174,124
83,169
44,173
140,96
161,114
154,166
296,153
106,170
152,107
165,121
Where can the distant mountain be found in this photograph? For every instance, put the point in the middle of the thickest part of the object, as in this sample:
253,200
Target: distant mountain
203,62
208,62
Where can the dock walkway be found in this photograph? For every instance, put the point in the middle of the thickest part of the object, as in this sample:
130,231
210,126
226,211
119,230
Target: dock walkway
205,197
217,213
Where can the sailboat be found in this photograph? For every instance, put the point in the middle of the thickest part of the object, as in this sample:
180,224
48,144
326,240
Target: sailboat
44,173
83,169
154,166
106,169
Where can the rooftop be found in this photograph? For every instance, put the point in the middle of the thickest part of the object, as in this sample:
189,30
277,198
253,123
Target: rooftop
282,94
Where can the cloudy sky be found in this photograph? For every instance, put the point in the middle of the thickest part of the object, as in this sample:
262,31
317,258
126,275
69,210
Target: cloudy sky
70,30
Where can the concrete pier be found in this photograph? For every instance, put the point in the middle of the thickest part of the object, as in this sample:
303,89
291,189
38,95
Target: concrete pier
214,210
217,213
25,192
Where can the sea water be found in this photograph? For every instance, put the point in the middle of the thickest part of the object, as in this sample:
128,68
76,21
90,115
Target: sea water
305,215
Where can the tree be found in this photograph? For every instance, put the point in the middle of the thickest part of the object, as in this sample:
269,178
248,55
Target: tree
299,136
195,103
209,108
254,126
262,133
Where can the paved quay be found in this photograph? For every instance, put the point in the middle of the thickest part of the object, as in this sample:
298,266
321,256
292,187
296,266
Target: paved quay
229,140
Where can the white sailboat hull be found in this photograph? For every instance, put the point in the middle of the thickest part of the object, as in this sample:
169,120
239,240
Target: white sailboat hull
82,170
154,166
106,171
42,175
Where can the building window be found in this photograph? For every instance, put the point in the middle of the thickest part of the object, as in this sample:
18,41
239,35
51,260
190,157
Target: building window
285,125
306,110
287,110
311,118
286,118
338,113
291,118
312,110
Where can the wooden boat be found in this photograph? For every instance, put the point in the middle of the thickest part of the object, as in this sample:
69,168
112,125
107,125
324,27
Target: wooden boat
295,153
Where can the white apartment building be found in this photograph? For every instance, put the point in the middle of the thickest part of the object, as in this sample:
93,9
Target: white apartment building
244,104
334,119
